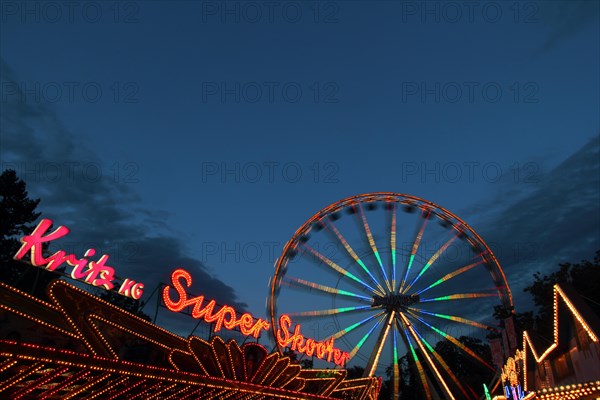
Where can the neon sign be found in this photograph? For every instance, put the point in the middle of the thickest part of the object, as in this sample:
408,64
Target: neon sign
99,274
226,317
322,349
95,273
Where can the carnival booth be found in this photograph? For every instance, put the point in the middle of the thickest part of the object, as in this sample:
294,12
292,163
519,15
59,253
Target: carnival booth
566,368
76,345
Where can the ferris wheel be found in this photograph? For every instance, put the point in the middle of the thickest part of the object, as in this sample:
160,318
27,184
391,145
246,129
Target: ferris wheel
388,275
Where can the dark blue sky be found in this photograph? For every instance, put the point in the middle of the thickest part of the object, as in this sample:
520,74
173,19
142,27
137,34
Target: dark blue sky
303,103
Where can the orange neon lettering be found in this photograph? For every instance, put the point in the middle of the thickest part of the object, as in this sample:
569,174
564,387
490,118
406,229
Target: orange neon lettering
296,341
329,349
246,322
232,319
336,355
198,312
180,304
310,347
320,350
283,334
227,317
217,317
181,277
260,324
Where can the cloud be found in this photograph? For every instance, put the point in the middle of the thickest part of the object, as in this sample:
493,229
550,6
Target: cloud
533,224
101,212
567,18
552,221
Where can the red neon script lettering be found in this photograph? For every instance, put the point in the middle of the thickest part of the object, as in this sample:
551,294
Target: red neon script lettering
324,349
225,317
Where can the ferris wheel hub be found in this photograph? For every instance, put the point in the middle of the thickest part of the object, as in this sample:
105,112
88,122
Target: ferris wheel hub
395,301
374,273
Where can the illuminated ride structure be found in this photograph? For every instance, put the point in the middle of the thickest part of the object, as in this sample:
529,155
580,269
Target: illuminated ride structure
79,346
388,274
403,276
568,366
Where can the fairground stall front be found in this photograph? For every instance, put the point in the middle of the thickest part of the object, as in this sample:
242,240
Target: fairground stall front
568,366
73,344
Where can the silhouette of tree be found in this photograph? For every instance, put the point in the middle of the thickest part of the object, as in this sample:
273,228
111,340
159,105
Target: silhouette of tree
410,387
17,217
470,372
354,372
523,321
126,303
306,363
583,276
17,213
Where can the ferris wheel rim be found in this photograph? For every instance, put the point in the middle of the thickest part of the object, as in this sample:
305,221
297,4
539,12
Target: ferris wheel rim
428,208
501,281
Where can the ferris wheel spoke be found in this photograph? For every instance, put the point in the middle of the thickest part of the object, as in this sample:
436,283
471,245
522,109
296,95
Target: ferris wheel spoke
371,240
460,296
379,307
418,364
431,261
325,289
428,359
396,368
365,337
331,311
454,318
383,334
343,272
331,228
456,342
393,245
415,247
451,275
442,363
352,327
